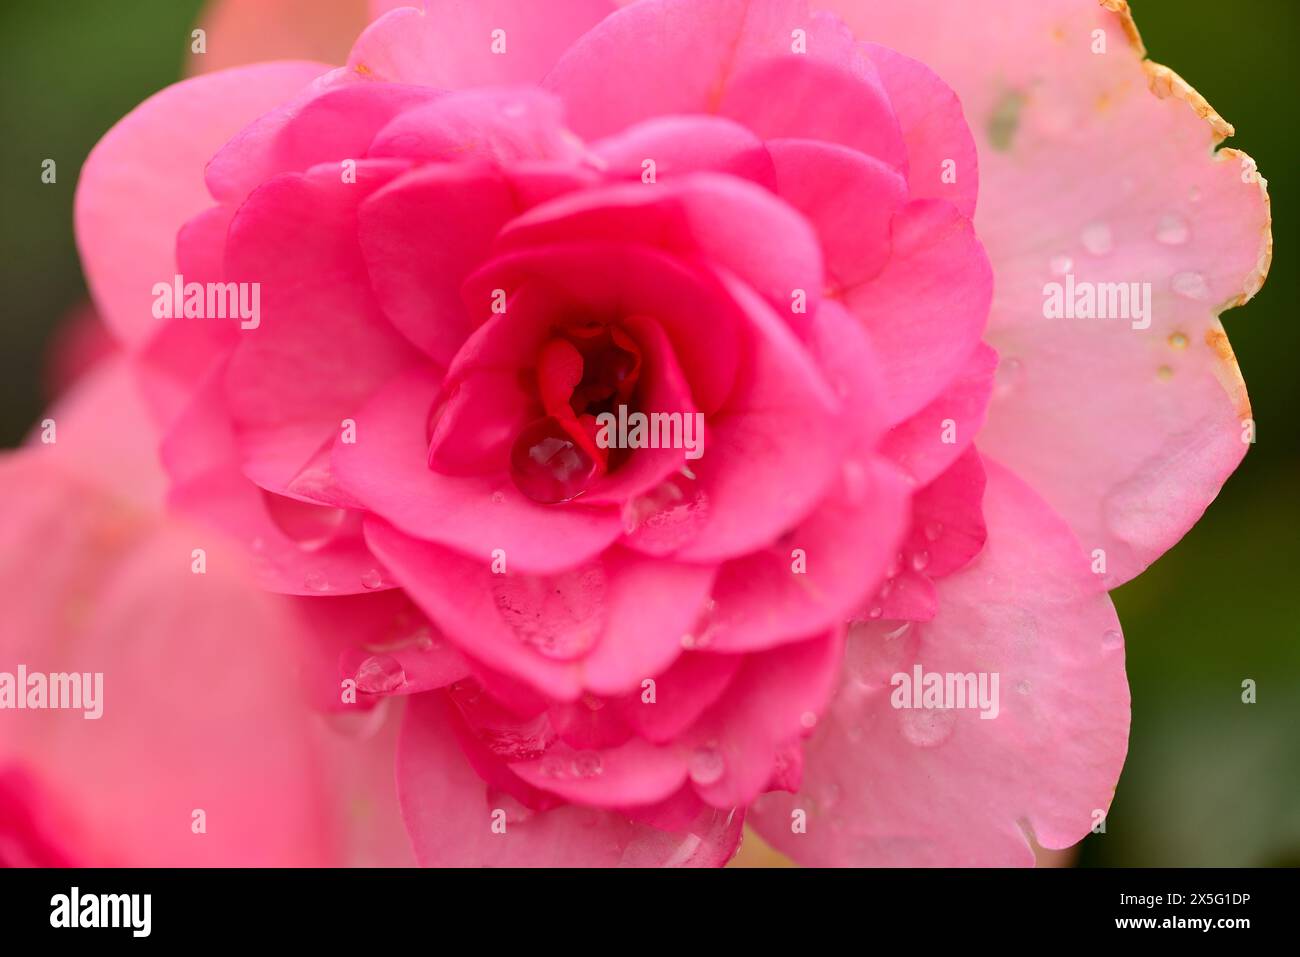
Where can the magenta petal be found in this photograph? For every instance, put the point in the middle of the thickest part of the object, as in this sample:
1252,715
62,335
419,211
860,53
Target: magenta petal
635,773
686,144
387,470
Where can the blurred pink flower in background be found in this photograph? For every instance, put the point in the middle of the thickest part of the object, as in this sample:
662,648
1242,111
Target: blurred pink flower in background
502,219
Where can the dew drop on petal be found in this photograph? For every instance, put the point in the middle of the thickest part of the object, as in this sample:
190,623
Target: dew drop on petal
1097,239
808,719
1024,687
933,530
1112,640
561,615
920,561
1190,285
372,578
380,674
1172,230
706,765
315,581
587,764
926,727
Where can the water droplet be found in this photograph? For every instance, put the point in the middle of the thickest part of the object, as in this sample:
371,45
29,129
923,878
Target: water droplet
380,674
1097,239
1178,341
498,498
560,615
1172,230
875,612
933,530
1008,374
372,579
1112,640
1024,687
706,765
920,561
315,581
1060,265
587,764
926,727
808,719
547,465
1190,285
668,516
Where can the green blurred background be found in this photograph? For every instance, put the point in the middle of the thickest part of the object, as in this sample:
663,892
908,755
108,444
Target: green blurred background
1209,781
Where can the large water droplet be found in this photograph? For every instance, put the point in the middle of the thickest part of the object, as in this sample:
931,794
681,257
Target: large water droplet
1190,285
1097,239
559,615
1111,640
547,465
380,674
1172,230
706,765
372,578
920,561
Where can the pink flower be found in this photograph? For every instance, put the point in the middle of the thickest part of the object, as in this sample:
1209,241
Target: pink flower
473,255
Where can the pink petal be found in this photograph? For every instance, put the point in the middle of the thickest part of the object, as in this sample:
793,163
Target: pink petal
680,695
635,773
924,444
145,179
803,97
588,628
925,312
686,144
768,597
322,347
686,54
848,197
947,787
728,222
933,128
774,700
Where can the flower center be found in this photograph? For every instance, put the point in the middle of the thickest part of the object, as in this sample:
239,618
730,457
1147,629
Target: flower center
584,370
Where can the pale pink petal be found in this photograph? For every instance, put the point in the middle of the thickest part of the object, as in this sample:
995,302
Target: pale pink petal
948,787
1129,433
